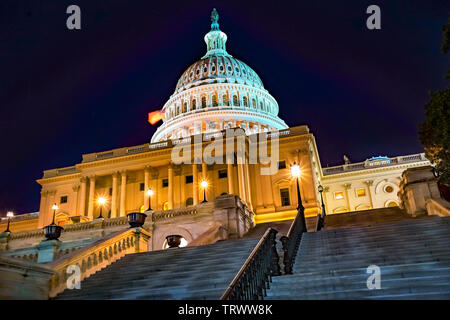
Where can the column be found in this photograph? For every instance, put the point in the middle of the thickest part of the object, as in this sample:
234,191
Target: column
241,182
247,185
195,183
91,197
369,183
123,192
170,188
348,186
155,185
76,190
230,178
115,178
146,186
82,206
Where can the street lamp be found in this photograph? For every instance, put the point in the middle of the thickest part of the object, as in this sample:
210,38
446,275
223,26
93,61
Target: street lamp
52,231
296,173
9,214
204,185
321,220
149,195
54,207
101,201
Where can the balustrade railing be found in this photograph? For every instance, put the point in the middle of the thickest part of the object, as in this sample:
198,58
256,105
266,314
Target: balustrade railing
97,256
252,280
291,241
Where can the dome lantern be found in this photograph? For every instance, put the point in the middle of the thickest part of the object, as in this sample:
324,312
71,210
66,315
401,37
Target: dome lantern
215,39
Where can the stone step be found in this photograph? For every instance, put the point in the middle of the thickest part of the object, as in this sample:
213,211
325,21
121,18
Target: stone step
363,293
376,253
360,273
405,248
163,275
358,283
201,272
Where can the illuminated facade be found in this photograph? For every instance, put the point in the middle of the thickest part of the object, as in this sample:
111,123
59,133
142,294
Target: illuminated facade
216,93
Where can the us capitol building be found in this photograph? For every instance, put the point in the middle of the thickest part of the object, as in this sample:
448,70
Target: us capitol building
216,93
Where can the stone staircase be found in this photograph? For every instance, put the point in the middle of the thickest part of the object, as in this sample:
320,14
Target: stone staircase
413,255
201,272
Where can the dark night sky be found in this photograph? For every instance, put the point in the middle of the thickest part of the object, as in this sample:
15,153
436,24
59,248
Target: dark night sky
64,93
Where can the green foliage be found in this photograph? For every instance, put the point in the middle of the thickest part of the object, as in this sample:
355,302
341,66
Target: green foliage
434,132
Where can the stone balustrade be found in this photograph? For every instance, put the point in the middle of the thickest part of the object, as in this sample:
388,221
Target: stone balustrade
420,157
97,256
419,193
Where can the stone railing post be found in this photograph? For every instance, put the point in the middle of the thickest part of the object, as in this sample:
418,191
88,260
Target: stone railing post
417,186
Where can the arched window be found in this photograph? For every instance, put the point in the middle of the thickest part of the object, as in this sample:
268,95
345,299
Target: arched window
166,206
254,103
261,106
185,107
203,102
245,102
225,100
194,104
189,202
235,101
214,100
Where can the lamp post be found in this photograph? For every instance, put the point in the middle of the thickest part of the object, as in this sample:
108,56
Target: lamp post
322,215
54,207
296,173
52,231
204,185
149,195
101,202
9,214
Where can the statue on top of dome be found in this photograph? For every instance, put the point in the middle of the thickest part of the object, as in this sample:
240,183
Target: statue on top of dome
214,20
214,16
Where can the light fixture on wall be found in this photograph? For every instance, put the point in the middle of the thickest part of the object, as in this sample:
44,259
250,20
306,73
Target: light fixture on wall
149,194
204,185
101,201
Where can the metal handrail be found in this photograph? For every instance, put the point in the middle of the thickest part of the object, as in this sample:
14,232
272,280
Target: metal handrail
291,241
252,280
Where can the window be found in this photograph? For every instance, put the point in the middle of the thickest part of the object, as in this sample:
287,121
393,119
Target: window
338,195
63,199
245,102
110,191
189,179
235,101
185,107
165,183
203,102
389,189
392,204
282,164
166,206
225,100
254,103
194,104
189,202
222,174
141,186
284,195
214,101
361,192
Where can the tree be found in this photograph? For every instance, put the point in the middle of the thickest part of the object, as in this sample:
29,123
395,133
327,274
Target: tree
434,132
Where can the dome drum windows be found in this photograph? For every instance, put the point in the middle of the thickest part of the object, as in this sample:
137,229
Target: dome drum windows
245,102
235,100
225,100
203,102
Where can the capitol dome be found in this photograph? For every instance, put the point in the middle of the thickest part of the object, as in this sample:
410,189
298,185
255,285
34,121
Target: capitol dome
218,92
